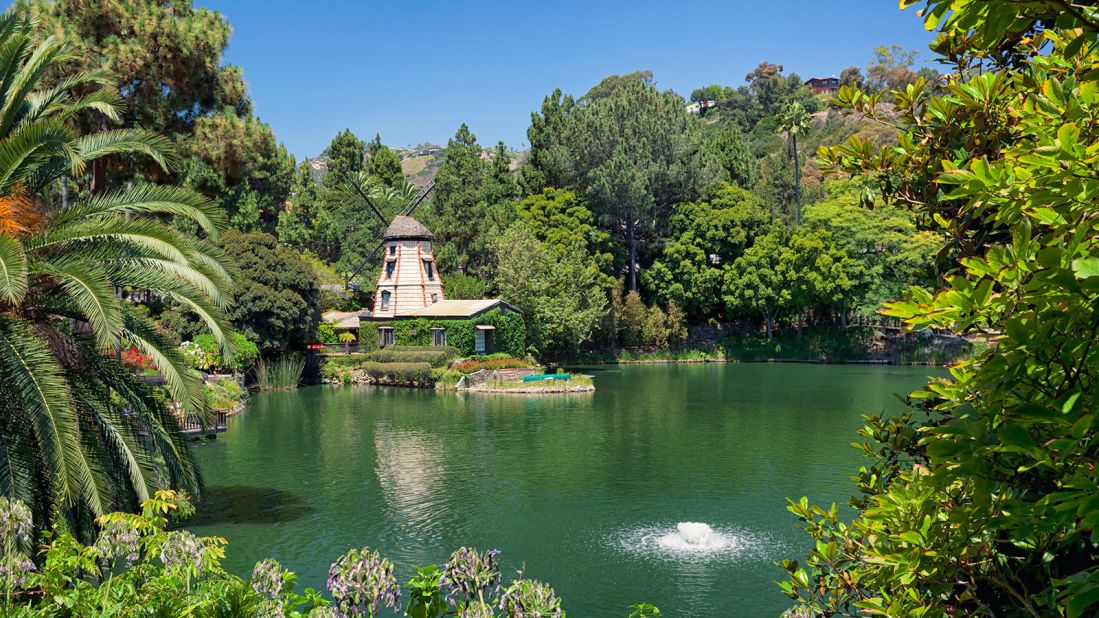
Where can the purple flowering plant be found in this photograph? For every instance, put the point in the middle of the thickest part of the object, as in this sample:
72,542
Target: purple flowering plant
16,527
361,581
471,575
119,539
136,562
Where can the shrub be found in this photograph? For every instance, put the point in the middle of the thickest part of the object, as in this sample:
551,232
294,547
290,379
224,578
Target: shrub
205,354
436,357
470,366
348,361
413,373
445,377
224,394
326,333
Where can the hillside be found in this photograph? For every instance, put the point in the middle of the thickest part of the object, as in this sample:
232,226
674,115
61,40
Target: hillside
420,164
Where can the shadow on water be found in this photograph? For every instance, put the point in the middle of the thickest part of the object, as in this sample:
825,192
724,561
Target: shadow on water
244,504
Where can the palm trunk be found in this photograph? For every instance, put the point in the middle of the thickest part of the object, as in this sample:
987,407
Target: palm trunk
64,191
631,235
769,319
99,176
797,183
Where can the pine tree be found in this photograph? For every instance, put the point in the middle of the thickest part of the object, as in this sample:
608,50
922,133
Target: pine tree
346,156
471,205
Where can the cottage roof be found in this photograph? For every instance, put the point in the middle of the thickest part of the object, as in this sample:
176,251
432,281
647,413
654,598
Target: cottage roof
458,308
407,227
343,319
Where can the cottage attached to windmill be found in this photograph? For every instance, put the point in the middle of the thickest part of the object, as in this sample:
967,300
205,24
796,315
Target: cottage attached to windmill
410,307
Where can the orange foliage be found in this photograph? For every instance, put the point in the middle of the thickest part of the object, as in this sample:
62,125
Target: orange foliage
17,214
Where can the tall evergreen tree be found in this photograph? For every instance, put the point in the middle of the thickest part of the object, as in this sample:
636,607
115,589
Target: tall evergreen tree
637,153
548,160
346,156
383,163
471,204
165,58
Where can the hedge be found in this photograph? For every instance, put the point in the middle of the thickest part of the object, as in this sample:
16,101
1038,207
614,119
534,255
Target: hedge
437,357
418,373
350,361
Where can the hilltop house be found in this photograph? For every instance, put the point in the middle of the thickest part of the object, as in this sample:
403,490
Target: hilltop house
410,306
823,85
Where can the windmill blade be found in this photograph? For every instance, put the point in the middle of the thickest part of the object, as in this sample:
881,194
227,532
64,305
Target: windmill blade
365,261
408,211
419,200
369,202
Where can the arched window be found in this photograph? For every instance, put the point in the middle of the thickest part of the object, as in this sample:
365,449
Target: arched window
385,301
389,266
429,268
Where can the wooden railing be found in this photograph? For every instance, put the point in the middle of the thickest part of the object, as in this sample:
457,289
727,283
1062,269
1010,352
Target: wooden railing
192,425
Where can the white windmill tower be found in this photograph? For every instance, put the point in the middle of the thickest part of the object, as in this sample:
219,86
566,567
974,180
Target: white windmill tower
408,279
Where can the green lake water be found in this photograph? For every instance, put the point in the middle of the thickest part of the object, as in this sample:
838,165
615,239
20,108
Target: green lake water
580,491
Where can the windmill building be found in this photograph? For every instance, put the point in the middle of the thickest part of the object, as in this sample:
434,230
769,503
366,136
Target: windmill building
409,287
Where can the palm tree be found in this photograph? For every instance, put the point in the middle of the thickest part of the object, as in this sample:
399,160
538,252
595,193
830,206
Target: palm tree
794,120
79,434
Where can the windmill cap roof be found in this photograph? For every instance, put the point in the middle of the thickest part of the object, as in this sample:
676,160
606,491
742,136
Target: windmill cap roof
406,227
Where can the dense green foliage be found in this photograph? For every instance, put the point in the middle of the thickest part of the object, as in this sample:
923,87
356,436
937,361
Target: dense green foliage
984,503
139,562
510,333
205,354
471,204
68,451
634,152
275,292
400,372
561,295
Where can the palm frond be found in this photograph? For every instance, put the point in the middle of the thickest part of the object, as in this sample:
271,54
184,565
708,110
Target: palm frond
162,444
13,270
47,53
29,146
90,288
117,436
143,235
104,143
33,377
208,261
20,474
58,100
15,46
150,199
156,273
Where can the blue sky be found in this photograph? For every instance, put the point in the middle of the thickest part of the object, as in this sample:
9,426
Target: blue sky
414,70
